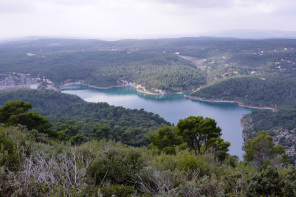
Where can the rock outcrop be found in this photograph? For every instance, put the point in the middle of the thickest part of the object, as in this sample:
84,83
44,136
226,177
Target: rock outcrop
9,81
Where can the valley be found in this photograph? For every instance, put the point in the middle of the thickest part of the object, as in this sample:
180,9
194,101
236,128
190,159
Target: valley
253,73
159,117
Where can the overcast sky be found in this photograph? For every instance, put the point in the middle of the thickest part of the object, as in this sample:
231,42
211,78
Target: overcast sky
115,19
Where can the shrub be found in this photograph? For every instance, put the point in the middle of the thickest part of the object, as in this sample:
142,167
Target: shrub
117,166
188,160
9,153
267,183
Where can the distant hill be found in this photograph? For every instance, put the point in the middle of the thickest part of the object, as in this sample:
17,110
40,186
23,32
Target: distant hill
254,34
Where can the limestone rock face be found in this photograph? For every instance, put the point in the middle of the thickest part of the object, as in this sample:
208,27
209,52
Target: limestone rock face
9,81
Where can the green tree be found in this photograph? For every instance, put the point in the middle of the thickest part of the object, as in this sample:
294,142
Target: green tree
165,139
31,120
102,131
220,148
126,136
10,155
13,108
16,112
261,149
66,130
77,139
290,181
197,131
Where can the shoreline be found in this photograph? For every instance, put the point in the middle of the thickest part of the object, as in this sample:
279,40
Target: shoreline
228,101
91,86
109,87
142,89
138,88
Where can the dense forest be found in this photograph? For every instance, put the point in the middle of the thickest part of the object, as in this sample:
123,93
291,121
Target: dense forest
70,115
272,91
153,71
155,64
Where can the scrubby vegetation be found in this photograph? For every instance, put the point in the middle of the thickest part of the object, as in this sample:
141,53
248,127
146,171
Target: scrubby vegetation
33,164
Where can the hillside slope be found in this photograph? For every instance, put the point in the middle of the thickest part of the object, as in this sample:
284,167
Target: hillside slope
125,125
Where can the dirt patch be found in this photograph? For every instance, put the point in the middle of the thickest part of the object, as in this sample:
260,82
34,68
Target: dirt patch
196,61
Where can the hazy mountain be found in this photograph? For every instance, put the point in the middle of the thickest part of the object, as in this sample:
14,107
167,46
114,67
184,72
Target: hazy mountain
254,34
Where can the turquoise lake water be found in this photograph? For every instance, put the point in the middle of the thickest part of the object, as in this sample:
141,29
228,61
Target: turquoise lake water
172,108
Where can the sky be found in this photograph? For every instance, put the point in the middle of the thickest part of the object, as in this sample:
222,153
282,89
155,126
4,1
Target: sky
118,19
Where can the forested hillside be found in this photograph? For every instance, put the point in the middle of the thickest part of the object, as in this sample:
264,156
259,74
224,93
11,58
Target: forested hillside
71,115
276,91
155,64
104,68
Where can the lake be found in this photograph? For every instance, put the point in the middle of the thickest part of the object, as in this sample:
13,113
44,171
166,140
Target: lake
172,108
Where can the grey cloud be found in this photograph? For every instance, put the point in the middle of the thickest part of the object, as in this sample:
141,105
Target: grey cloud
278,5
119,17
13,6
74,2
200,3
22,6
248,4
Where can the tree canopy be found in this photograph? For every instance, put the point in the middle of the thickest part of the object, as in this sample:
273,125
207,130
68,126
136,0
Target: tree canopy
16,112
220,148
15,108
261,149
165,139
197,131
